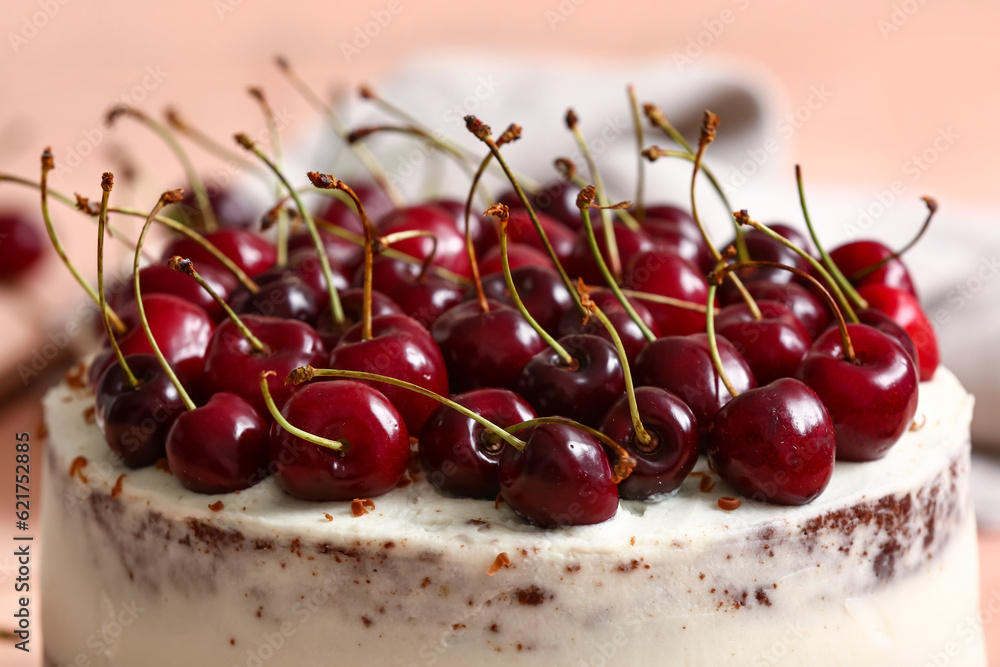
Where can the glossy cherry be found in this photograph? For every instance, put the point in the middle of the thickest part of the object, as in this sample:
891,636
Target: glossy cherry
135,421
905,310
879,320
483,234
774,443
160,279
449,247
422,296
457,453
345,256
581,261
582,391
664,463
667,274
631,335
675,237
282,294
807,307
541,289
219,447
772,346
856,258
871,399
519,255
400,348
375,451
520,229
21,244
556,199
248,250
304,264
562,478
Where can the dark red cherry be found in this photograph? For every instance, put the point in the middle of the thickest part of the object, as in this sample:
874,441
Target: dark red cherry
135,420
518,255
376,445
483,234
449,252
352,303
629,332
879,320
232,210
905,310
871,400
520,229
484,349
666,274
422,297
562,478
764,248
458,454
855,258
541,290
21,244
304,264
774,443
582,391
219,447
664,463
248,250
373,198
670,213
282,294
581,261
677,238
161,279
773,346
232,364
556,199
683,366
399,348
345,256
804,304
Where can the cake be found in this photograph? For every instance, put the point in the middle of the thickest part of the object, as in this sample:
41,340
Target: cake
880,569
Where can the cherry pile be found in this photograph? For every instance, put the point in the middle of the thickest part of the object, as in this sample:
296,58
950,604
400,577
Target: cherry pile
558,351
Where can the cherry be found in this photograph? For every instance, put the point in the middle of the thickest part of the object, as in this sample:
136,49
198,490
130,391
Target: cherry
424,296
399,347
666,461
250,251
856,257
631,335
804,304
541,289
520,255
674,237
345,256
234,365
879,320
373,445
160,279
581,390
871,397
352,301
669,213
20,244
683,365
772,346
521,229
484,349
666,274
219,447
556,199
447,245
232,210
282,294
135,419
342,214
905,310
458,453
483,236
774,443
561,478
581,261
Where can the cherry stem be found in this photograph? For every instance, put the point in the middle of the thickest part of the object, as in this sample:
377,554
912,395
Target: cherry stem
501,213
186,266
932,206
426,136
397,237
327,182
622,469
640,431
470,251
567,170
610,240
335,445
585,201
197,184
828,262
744,219
306,373
713,344
640,180
180,124
660,298
660,120
361,152
272,127
708,128
482,132
716,276
107,183
169,197
47,165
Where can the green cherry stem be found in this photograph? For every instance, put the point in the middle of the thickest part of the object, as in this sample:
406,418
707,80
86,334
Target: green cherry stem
713,344
107,183
828,262
932,207
501,213
364,156
335,445
426,136
585,201
307,373
567,170
48,164
744,219
640,180
659,298
272,126
186,266
169,197
623,468
197,184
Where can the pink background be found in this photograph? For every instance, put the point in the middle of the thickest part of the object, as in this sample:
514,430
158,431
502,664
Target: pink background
898,70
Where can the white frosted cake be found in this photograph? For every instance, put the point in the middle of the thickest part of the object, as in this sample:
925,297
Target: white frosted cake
881,569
